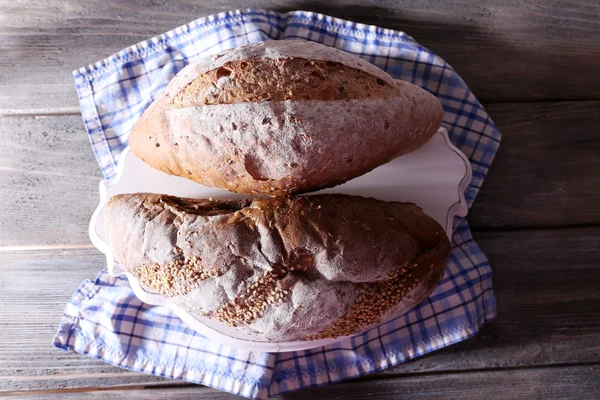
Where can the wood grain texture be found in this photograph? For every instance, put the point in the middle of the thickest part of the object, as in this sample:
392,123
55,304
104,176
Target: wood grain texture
573,382
48,180
35,287
545,283
545,342
505,50
49,177
547,170
577,382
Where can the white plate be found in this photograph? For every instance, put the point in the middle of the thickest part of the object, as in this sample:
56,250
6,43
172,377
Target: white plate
434,177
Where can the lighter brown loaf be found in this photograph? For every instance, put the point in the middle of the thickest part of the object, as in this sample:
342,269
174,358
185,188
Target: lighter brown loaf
279,80
282,117
281,269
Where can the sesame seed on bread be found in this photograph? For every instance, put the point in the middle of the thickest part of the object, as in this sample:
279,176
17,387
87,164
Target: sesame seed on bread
281,269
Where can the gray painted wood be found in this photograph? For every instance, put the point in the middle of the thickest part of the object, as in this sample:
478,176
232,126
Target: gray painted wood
49,176
36,286
48,180
506,51
573,382
545,282
577,382
547,170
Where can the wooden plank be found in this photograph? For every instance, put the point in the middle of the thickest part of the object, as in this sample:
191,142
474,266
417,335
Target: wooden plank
576,382
548,313
546,173
36,286
48,180
49,177
513,51
573,382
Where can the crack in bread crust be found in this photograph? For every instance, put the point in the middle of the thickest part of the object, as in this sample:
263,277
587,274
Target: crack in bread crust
279,80
250,305
281,269
282,117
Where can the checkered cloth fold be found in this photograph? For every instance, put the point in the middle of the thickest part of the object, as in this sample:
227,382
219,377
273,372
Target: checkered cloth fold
105,320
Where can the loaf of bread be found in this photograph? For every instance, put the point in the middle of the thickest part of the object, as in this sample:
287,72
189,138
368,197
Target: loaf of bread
282,117
281,269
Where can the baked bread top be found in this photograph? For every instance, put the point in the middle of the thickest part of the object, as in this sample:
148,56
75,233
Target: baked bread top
281,269
282,117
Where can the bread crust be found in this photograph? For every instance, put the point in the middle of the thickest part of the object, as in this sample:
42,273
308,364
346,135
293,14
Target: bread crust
247,81
281,269
283,147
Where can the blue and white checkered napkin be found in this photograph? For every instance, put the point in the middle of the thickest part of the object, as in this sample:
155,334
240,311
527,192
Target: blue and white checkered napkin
105,320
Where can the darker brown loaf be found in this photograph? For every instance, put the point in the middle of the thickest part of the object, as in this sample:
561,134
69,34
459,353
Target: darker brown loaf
281,269
282,117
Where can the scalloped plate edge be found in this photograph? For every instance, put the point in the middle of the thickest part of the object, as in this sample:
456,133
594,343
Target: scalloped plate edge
459,208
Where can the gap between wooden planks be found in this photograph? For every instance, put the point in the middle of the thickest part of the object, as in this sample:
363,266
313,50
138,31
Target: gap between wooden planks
43,247
506,51
572,381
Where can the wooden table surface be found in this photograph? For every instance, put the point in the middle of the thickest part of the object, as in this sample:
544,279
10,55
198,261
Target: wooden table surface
535,66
